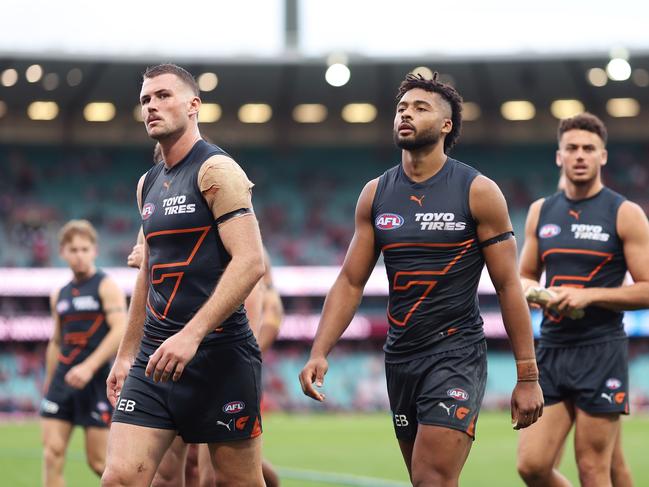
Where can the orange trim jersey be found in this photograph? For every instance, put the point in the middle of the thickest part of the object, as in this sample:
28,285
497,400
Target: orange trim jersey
579,246
82,318
186,254
432,258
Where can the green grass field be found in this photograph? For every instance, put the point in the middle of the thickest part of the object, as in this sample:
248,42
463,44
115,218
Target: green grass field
326,450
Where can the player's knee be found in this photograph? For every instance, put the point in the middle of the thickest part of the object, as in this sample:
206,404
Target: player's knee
113,478
97,465
533,469
53,453
592,471
432,476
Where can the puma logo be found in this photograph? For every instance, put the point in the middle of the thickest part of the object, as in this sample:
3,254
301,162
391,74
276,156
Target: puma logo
448,409
419,200
608,397
574,214
227,425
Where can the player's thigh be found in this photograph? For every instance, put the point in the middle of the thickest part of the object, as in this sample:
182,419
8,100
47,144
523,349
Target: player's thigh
171,471
237,463
595,434
96,443
55,434
439,452
539,444
134,453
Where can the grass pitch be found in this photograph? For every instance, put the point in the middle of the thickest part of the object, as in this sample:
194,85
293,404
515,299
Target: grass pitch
321,450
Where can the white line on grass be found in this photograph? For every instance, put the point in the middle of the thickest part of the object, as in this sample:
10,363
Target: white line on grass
338,478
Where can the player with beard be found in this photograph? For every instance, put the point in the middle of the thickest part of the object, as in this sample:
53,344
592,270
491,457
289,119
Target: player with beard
585,237
197,371
436,221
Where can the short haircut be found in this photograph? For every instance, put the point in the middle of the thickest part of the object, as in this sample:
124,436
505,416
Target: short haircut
184,75
73,228
583,121
447,92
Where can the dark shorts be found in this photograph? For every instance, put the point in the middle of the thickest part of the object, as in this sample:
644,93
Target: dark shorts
87,407
444,389
595,377
215,400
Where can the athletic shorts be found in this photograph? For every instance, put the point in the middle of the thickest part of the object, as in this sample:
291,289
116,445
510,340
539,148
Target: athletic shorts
215,400
595,377
87,407
443,389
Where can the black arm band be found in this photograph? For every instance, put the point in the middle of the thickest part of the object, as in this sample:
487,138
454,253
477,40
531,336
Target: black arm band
232,214
498,238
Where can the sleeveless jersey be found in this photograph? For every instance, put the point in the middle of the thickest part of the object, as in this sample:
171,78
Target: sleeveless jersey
82,318
432,258
579,246
186,255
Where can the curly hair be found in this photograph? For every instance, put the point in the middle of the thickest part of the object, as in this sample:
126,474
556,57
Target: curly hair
447,92
181,73
583,121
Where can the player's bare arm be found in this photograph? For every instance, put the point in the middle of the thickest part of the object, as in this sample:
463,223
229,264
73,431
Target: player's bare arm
134,259
345,296
114,305
489,209
530,265
254,304
54,345
227,192
633,229
134,329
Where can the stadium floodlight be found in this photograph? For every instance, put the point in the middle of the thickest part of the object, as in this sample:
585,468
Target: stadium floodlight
310,113
74,77
50,81
597,77
518,110
34,73
208,81
566,108
470,111
425,72
640,77
618,69
9,77
337,75
359,113
209,113
42,110
623,107
99,111
255,113
3,108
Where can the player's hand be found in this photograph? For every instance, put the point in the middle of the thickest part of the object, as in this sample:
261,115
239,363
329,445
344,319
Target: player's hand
567,299
527,404
116,378
79,375
171,357
314,372
134,259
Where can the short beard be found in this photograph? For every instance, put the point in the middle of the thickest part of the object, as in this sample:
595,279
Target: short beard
429,139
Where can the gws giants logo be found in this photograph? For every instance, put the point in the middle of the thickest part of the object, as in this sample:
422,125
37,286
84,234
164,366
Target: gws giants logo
550,230
234,407
457,393
388,221
147,211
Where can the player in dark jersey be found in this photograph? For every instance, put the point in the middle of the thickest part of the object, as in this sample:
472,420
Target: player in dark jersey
89,315
585,237
436,221
197,371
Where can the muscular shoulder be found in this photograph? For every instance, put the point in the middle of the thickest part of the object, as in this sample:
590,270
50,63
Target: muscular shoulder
631,219
366,198
485,197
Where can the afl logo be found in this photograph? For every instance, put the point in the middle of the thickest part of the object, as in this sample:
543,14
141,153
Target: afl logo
457,393
234,407
147,211
550,230
388,221
613,383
